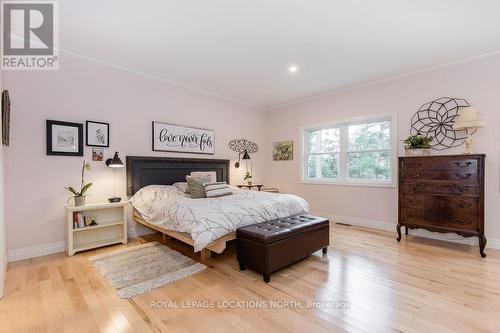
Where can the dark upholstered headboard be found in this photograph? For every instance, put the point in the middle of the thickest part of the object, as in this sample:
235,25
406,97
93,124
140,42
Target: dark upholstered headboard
143,171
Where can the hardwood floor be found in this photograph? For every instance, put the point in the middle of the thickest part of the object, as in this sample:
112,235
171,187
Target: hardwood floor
418,285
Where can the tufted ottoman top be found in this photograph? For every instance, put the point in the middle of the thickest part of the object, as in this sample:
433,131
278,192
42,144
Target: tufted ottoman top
275,230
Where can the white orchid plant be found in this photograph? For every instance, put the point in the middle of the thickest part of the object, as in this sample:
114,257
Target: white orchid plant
83,187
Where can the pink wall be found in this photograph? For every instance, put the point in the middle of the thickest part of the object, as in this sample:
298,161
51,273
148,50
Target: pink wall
85,90
477,80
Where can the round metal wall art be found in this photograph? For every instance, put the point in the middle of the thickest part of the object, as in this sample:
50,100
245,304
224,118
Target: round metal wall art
436,119
240,145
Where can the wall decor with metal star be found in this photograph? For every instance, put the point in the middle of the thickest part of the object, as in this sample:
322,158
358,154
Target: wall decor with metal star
243,147
436,119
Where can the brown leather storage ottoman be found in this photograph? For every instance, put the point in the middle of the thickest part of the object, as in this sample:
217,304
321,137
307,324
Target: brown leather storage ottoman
269,246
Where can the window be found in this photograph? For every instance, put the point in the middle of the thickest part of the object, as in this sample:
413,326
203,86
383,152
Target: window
358,152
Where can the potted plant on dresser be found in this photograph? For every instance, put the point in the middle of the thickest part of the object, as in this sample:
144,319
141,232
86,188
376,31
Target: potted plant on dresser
79,196
418,145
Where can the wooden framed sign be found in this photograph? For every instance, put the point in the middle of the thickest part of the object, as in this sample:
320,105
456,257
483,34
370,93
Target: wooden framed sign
180,139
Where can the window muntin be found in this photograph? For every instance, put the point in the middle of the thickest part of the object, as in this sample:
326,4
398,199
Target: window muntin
323,146
350,152
368,152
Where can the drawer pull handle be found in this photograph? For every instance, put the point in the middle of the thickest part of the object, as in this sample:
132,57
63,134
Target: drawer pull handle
460,176
460,165
416,188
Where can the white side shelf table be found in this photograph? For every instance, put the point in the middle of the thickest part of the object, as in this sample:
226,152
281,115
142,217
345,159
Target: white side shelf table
111,228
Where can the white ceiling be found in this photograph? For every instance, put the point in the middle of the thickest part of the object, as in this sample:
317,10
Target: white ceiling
242,49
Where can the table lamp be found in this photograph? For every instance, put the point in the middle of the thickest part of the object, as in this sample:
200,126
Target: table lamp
468,120
114,163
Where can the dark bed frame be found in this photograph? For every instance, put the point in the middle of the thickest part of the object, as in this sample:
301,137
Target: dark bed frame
143,171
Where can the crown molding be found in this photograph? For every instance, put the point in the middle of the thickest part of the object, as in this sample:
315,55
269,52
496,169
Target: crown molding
337,91
387,78
100,61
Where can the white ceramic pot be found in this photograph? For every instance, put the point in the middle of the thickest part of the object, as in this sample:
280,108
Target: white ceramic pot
418,152
79,201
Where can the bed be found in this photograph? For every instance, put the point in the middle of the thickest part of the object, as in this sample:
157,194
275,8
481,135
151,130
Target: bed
206,224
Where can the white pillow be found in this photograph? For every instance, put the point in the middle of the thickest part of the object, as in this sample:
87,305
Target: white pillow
218,189
147,196
200,174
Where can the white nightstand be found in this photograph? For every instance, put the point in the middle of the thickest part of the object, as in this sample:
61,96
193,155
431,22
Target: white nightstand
111,226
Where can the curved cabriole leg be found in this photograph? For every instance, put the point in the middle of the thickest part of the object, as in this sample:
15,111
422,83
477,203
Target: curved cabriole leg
398,229
482,245
266,277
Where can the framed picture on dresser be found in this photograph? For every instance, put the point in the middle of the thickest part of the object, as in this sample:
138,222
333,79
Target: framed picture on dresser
64,138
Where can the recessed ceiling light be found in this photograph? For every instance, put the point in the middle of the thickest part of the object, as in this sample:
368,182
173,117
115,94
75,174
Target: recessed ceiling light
293,69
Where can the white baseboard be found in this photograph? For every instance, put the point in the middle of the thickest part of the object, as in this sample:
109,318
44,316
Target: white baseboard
51,248
386,226
36,251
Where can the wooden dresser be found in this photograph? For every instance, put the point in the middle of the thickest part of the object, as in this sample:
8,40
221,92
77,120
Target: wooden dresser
443,194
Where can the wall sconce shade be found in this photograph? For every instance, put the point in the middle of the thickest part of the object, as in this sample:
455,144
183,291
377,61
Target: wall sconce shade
245,156
114,162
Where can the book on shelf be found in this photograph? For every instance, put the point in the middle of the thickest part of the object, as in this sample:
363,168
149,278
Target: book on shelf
80,221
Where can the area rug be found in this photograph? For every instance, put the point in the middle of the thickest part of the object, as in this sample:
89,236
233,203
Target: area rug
138,269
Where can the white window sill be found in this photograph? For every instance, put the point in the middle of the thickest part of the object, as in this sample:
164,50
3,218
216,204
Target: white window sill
343,182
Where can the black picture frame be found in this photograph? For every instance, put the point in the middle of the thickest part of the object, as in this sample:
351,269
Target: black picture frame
50,150
87,134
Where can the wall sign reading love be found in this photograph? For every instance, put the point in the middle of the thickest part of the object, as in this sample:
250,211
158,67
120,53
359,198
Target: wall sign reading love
173,138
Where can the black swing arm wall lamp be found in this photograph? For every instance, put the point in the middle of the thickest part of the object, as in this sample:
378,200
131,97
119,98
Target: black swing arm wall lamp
243,147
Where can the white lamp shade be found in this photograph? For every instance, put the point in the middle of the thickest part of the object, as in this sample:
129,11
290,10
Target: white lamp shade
468,117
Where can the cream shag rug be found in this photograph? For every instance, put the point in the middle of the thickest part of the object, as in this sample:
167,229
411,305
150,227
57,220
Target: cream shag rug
138,269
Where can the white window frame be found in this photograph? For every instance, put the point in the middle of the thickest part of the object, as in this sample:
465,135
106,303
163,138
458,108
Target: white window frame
343,179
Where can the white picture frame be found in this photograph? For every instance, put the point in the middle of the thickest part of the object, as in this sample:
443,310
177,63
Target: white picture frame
181,139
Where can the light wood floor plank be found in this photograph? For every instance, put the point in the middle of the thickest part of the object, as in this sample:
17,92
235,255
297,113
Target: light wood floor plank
417,285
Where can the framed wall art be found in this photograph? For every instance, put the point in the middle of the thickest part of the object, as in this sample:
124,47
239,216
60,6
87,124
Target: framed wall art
181,139
97,154
283,151
97,134
5,118
64,138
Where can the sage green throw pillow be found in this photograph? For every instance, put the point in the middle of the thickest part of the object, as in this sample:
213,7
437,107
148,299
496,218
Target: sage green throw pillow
195,185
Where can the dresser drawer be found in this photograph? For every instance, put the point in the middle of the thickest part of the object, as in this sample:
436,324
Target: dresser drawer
456,169
445,204
440,188
440,220
441,211
455,164
464,176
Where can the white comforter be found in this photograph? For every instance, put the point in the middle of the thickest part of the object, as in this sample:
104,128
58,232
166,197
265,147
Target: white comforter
210,218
